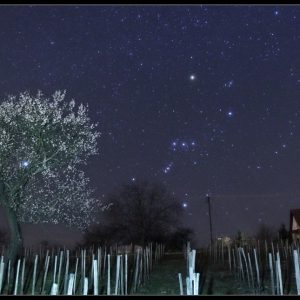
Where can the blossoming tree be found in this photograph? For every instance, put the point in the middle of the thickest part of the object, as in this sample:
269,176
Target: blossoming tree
44,142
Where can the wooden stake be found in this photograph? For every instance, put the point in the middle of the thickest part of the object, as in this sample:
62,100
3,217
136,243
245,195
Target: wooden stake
297,270
279,274
46,273
8,277
70,284
17,277
54,289
96,290
75,276
1,273
59,269
55,267
272,274
126,272
180,283
22,276
85,286
136,271
66,274
108,274
121,275
257,269
117,275
34,274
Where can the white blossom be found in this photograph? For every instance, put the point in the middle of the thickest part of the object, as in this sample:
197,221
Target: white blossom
55,139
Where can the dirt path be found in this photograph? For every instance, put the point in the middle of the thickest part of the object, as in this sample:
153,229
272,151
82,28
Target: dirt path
164,278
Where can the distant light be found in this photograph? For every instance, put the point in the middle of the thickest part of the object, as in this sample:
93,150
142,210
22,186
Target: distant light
230,114
133,179
276,12
184,204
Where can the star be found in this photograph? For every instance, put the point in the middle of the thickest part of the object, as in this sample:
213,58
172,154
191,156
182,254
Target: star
230,113
192,77
184,204
229,84
25,163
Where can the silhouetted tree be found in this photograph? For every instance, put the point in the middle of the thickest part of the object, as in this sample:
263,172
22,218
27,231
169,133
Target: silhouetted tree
283,234
265,232
140,212
3,238
240,239
179,238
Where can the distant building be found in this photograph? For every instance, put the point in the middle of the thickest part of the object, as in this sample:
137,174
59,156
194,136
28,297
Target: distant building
295,224
226,240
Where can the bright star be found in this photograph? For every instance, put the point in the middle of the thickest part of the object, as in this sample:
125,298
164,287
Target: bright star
192,77
184,204
25,163
230,114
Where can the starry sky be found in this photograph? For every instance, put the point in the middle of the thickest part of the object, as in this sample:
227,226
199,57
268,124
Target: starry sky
203,98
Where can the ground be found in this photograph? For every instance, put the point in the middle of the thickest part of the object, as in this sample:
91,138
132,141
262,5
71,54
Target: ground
215,279
164,277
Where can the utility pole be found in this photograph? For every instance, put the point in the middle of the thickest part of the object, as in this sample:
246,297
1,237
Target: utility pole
210,224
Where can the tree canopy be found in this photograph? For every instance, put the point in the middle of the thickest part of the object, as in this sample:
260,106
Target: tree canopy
44,142
141,212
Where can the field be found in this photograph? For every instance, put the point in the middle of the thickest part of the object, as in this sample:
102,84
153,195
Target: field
257,269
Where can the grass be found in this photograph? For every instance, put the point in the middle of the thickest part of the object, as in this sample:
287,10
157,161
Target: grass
164,278
215,279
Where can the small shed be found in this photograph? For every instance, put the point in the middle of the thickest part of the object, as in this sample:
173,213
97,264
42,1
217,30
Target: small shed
295,223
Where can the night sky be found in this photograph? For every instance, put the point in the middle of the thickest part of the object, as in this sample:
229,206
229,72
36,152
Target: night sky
205,99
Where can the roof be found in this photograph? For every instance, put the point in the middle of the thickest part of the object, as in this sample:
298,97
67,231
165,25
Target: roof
296,214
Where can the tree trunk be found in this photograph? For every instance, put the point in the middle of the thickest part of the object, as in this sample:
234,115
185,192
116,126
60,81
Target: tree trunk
16,241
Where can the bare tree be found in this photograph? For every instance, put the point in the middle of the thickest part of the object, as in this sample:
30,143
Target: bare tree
265,232
140,212
43,144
